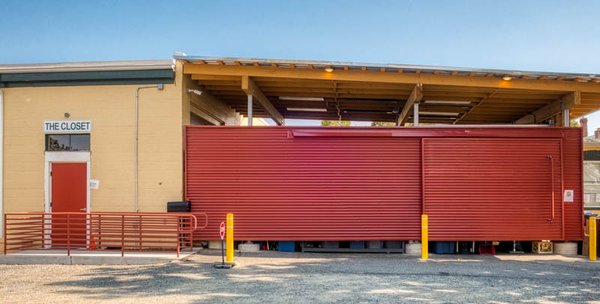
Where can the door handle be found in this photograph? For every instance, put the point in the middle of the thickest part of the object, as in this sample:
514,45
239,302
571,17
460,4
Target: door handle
83,209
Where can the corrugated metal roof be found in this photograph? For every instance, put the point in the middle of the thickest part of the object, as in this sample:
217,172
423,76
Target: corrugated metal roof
90,66
405,68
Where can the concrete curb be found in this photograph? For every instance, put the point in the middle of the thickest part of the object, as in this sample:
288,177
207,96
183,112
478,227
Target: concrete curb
24,259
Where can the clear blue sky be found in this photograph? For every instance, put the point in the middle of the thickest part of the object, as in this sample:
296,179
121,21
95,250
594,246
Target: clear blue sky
558,36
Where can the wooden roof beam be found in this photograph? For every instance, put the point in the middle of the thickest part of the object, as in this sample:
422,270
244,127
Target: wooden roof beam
475,106
250,87
565,102
415,96
397,78
213,110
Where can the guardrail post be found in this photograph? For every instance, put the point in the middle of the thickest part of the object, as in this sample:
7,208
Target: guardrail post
99,231
5,234
140,233
122,235
68,234
592,237
43,231
424,236
191,236
179,238
229,238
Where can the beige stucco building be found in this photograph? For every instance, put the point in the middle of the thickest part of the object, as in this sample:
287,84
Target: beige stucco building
122,123
103,94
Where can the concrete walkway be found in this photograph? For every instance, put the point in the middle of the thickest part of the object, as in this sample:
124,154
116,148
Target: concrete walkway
81,257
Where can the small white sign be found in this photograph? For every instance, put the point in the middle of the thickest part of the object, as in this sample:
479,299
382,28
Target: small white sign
569,196
67,126
94,184
222,230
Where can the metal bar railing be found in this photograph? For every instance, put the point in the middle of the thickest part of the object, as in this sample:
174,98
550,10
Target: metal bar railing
122,231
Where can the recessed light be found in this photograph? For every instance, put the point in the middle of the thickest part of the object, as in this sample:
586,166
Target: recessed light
328,69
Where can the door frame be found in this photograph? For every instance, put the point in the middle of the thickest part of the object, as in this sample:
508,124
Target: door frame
65,157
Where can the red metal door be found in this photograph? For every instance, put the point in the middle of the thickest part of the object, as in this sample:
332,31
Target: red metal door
493,188
69,194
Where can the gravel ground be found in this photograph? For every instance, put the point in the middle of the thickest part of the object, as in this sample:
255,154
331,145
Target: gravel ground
312,278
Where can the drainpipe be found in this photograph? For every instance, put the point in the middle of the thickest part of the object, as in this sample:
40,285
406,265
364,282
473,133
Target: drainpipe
159,86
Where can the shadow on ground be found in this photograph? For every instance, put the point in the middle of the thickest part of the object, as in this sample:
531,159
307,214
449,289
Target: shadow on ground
306,278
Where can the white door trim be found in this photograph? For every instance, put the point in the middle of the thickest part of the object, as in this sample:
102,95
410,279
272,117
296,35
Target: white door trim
64,157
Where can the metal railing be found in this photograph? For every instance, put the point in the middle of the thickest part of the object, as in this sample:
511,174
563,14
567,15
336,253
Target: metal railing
101,231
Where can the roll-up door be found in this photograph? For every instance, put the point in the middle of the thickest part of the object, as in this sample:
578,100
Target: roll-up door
493,188
282,187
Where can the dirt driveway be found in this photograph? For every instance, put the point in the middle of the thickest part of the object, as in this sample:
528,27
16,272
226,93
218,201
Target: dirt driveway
312,278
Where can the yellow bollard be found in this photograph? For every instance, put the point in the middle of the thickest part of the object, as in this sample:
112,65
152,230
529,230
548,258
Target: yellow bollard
593,237
229,238
424,236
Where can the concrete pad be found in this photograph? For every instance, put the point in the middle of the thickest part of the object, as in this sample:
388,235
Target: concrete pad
33,257
413,249
540,258
248,247
34,260
565,248
214,245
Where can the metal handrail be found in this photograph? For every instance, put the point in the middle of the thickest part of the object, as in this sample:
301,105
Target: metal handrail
99,231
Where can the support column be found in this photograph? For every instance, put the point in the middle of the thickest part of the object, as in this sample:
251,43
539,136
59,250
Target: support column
250,115
416,114
566,118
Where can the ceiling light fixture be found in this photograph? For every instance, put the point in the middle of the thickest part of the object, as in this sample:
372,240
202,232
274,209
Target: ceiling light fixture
439,113
448,102
307,109
328,69
507,78
301,98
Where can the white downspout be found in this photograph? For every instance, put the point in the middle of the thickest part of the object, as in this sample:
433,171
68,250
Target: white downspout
136,198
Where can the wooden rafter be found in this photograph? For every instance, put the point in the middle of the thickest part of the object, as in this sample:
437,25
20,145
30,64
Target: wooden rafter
250,88
475,106
565,102
415,96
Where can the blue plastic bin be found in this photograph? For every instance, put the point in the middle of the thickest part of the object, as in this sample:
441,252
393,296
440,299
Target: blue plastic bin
286,246
443,247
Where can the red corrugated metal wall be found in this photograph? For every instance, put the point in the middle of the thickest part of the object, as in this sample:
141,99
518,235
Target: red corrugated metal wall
573,179
365,184
492,188
319,188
